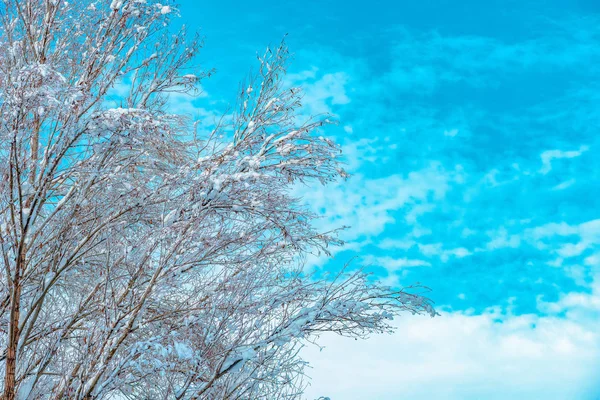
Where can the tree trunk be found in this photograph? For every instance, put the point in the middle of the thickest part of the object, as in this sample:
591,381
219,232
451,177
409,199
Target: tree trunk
13,339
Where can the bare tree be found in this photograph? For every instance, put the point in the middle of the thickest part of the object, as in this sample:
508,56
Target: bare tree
140,259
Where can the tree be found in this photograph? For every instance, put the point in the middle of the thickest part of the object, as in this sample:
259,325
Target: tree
141,259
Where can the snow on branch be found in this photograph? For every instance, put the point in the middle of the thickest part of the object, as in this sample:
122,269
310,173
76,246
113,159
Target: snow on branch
140,258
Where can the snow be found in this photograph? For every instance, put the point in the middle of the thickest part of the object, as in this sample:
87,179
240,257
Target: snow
291,135
183,351
254,162
170,217
251,127
239,358
48,278
25,388
270,103
116,4
285,149
173,277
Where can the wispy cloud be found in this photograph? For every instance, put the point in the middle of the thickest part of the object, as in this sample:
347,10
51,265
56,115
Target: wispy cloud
549,155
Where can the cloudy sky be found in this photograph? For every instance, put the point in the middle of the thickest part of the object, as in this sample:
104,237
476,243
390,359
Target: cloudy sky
470,129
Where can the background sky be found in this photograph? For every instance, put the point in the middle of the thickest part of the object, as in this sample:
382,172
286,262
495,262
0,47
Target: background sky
470,129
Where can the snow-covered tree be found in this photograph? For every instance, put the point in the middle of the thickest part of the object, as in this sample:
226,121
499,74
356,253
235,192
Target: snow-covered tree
139,258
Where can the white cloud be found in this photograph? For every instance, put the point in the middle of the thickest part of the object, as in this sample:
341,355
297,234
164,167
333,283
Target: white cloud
303,75
433,250
549,155
588,233
319,95
501,239
368,205
592,260
564,185
459,252
416,211
572,249
451,132
552,229
461,356
577,305
392,264
360,152
403,244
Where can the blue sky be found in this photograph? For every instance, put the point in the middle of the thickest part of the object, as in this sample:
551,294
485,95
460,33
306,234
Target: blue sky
471,132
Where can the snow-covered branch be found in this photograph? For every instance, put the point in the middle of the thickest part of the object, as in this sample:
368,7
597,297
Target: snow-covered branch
138,258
